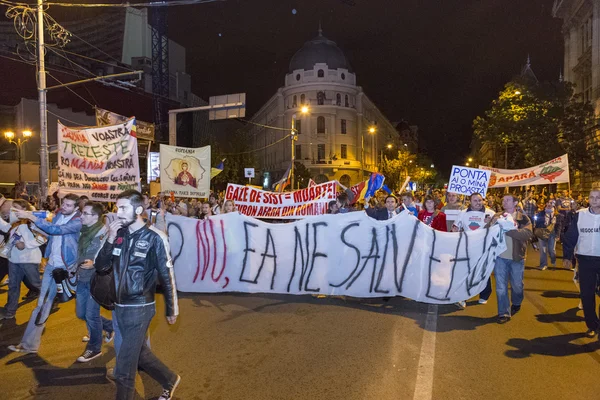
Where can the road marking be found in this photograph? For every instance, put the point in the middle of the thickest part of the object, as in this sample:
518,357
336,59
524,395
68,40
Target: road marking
424,382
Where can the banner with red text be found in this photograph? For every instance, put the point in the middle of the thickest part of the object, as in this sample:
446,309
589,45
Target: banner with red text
288,205
98,162
553,171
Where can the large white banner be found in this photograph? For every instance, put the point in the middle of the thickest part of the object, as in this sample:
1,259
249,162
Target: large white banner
553,171
185,171
98,162
259,203
344,254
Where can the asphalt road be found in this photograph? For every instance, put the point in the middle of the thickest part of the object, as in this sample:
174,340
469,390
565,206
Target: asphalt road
236,346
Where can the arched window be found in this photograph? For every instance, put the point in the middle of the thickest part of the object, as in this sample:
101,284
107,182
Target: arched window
346,101
294,103
321,178
320,98
320,73
320,124
302,98
338,99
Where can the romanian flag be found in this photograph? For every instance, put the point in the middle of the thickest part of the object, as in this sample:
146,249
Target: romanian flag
369,187
280,185
216,171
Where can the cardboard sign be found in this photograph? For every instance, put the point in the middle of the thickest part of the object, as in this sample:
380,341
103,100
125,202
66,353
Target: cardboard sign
466,181
185,172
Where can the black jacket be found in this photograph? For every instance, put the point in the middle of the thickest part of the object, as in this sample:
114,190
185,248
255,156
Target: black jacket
380,214
137,259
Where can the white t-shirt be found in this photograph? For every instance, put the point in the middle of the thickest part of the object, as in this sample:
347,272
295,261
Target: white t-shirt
469,220
56,259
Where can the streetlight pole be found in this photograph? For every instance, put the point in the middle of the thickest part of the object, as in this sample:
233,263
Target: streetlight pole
372,130
294,138
10,136
44,163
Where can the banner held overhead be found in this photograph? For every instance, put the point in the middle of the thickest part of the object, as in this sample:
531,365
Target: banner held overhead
185,172
553,171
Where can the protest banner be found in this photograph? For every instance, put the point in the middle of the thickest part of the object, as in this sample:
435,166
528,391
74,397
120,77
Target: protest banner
98,162
185,172
466,181
288,205
344,254
144,130
553,171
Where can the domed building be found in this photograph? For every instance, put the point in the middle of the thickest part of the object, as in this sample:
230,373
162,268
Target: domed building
342,136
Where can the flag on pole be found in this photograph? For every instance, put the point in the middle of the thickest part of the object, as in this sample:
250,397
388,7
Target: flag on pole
216,171
281,184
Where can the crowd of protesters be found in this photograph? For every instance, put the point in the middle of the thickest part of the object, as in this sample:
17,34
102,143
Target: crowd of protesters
76,241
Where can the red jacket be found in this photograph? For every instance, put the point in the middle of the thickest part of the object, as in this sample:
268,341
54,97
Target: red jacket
439,220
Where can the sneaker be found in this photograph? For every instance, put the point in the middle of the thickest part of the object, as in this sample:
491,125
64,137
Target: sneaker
461,305
545,267
6,281
88,355
482,301
6,316
85,339
20,349
109,336
514,309
167,394
502,319
591,333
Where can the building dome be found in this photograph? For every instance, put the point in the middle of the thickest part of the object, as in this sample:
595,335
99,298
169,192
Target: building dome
319,50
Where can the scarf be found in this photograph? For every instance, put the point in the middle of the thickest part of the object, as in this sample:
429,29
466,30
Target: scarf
87,235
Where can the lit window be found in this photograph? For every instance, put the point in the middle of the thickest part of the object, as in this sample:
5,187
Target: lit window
344,151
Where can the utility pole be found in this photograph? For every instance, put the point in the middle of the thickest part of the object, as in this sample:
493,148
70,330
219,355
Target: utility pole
293,138
44,163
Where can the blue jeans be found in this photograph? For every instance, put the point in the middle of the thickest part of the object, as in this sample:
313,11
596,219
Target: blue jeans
548,246
17,272
88,310
133,323
505,271
33,333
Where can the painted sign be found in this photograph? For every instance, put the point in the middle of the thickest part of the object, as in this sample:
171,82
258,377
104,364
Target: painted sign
185,172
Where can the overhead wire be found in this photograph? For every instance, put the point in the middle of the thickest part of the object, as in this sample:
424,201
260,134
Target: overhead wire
127,4
68,88
65,119
79,76
262,148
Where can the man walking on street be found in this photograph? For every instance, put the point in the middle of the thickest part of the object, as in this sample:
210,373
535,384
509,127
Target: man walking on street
93,236
510,265
61,251
137,254
584,236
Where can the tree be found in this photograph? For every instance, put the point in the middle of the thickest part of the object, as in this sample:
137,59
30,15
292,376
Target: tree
301,175
396,169
237,157
537,122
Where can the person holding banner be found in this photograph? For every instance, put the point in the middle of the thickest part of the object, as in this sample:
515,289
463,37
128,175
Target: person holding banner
451,209
583,239
383,214
510,265
431,216
476,216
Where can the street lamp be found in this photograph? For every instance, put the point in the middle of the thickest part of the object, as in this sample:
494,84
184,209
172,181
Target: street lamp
294,137
24,137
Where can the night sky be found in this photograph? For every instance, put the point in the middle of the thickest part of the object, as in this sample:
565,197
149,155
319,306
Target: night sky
435,63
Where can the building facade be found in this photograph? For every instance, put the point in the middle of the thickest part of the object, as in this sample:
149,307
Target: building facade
581,31
335,139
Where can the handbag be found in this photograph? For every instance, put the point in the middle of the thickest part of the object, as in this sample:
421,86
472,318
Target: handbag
544,233
102,289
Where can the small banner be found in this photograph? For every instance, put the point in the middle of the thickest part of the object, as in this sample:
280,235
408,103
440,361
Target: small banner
289,205
466,181
553,171
185,172
98,162
345,254
145,130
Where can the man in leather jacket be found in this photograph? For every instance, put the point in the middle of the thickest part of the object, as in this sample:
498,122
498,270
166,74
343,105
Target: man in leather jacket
137,254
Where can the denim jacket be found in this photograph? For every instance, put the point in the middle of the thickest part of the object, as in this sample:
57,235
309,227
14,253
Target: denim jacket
70,238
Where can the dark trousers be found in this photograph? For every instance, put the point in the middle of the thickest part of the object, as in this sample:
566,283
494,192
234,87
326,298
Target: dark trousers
487,292
4,272
133,324
589,274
